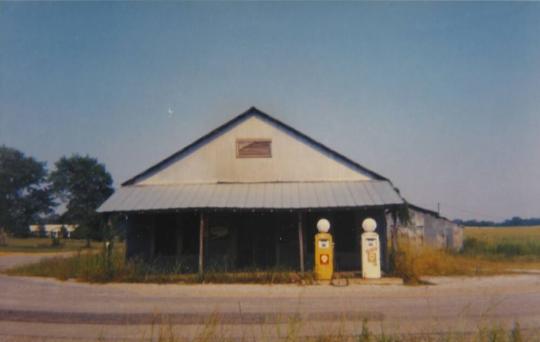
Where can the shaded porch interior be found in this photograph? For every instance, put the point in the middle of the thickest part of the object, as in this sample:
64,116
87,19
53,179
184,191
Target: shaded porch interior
245,240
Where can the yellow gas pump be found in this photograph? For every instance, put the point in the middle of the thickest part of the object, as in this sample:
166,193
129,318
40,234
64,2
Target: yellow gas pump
324,251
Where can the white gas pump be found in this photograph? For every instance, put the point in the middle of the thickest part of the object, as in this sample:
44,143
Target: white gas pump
371,250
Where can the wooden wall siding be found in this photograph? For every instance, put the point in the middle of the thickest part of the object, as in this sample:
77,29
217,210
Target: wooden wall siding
292,160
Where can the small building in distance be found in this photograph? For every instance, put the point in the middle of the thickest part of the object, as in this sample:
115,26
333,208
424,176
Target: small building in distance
52,230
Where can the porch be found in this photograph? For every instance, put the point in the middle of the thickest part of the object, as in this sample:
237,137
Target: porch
233,240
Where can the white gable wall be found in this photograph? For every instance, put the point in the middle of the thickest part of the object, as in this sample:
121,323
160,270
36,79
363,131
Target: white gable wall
292,161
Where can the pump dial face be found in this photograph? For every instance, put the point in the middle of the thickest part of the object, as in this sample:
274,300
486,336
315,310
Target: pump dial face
324,259
324,243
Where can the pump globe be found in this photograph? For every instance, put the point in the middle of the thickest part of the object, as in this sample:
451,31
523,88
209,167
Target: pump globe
369,225
323,225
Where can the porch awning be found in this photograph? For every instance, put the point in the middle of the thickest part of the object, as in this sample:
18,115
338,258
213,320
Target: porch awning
293,195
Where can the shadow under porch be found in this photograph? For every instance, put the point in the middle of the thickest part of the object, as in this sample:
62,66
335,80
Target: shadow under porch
235,241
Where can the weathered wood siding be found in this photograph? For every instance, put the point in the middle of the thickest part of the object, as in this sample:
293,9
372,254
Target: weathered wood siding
216,161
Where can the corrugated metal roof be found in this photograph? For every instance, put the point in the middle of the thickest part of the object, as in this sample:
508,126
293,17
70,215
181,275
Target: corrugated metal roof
301,195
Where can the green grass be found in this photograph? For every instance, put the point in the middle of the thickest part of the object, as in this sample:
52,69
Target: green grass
503,243
42,245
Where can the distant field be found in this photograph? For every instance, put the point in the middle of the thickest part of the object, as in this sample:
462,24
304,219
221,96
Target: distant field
521,243
497,234
42,245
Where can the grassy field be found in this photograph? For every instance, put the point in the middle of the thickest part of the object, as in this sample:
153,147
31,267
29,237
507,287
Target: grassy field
42,245
504,234
503,243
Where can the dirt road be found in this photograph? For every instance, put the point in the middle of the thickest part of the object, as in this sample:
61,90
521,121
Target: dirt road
46,308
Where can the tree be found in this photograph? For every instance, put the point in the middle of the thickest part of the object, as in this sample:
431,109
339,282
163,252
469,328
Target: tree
82,183
24,193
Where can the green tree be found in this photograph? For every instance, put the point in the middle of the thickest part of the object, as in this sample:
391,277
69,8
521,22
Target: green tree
82,183
24,193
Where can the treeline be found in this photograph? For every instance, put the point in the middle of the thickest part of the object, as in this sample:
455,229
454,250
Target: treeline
31,194
514,221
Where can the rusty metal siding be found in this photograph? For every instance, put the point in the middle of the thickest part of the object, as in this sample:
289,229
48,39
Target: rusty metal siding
253,196
428,228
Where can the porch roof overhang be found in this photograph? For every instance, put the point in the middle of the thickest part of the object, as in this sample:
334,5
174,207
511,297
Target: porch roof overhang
256,196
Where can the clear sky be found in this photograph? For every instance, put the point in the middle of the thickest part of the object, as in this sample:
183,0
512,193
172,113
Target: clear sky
442,98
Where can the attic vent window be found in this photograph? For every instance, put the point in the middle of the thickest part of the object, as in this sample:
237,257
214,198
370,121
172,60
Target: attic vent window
253,148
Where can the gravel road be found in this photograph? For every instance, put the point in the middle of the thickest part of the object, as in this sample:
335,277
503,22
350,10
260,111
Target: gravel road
33,308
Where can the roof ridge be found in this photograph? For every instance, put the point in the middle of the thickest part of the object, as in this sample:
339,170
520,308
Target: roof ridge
264,182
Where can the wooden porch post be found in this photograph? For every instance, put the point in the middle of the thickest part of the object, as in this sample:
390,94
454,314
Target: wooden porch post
301,241
201,243
152,251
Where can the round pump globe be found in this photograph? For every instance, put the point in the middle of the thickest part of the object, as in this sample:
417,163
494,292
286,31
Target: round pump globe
369,225
323,225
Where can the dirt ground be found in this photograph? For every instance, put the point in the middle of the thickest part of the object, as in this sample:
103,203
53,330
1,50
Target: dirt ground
47,309
12,259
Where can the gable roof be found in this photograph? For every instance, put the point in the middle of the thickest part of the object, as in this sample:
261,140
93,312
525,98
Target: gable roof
253,112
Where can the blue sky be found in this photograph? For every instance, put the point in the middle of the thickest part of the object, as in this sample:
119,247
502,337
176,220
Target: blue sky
442,98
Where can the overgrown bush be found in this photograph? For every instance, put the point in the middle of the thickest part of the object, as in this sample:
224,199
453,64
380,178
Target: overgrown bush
411,262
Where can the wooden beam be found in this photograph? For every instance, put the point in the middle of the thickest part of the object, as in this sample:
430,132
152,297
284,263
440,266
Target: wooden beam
301,241
201,243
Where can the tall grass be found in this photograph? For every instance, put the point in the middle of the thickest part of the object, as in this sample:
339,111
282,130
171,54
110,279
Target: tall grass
411,262
112,267
295,331
87,265
486,251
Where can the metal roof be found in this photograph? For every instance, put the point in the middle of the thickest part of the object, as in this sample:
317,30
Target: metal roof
293,195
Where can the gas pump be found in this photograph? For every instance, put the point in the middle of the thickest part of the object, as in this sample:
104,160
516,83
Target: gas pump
371,250
324,251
